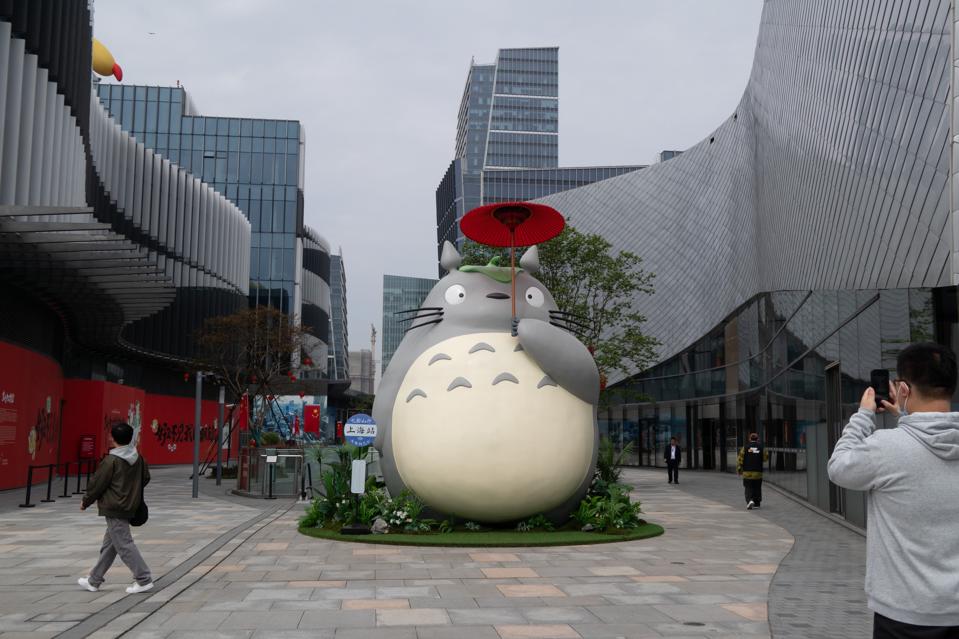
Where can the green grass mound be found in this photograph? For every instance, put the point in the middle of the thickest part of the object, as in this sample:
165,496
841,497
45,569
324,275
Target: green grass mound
492,538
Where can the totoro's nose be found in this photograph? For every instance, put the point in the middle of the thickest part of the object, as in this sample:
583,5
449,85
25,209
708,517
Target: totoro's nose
497,296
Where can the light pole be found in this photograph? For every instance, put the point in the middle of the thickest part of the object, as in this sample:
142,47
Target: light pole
196,434
219,436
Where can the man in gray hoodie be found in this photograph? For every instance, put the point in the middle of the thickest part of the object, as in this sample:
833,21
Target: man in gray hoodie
911,475
117,488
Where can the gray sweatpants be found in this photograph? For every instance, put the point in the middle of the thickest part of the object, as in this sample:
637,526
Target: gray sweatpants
118,541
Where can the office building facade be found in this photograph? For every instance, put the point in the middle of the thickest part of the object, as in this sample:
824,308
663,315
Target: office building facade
803,243
339,360
258,165
400,293
507,139
362,371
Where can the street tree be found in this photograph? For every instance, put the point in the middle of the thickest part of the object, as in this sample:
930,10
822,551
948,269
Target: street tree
252,351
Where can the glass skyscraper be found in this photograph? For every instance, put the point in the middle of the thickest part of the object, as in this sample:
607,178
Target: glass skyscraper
339,366
400,293
507,139
258,165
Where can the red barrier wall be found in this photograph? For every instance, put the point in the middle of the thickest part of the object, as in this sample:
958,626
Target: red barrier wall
31,386
166,433
31,390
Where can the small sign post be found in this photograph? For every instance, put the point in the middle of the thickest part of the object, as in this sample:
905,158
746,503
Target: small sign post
359,430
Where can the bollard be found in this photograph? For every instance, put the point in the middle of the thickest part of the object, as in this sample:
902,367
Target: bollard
79,474
66,480
302,486
309,472
50,468
272,477
27,503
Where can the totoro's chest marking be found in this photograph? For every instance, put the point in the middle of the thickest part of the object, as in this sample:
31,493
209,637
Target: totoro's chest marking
480,367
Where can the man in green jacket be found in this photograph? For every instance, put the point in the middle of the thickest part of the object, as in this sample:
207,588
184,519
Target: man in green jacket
117,487
752,458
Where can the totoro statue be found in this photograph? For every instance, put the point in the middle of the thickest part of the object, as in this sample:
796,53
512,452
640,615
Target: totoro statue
480,424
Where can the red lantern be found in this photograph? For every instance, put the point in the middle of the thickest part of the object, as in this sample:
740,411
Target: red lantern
302,394
292,377
186,377
308,361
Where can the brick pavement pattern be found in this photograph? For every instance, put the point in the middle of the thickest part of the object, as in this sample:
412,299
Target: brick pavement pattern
708,576
817,593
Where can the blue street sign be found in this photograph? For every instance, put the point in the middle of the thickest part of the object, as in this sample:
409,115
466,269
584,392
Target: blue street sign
360,430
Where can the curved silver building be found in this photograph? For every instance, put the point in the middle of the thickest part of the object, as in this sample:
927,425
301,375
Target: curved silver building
126,251
801,244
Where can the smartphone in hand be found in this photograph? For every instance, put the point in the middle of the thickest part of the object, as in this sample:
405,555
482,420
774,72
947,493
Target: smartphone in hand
879,380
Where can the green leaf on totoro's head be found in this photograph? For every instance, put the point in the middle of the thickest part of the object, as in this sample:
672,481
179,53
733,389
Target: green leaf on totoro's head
493,270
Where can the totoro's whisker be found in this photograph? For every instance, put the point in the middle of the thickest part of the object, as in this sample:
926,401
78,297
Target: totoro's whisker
564,320
417,310
436,321
418,317
578,320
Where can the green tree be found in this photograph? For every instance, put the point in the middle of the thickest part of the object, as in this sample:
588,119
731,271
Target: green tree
597,287
251,351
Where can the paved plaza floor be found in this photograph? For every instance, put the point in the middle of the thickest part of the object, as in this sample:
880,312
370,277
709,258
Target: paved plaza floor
235,568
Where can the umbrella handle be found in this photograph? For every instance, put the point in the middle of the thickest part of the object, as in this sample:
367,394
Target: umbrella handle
512,273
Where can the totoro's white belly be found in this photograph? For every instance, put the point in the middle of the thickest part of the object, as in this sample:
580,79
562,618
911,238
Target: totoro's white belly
489,452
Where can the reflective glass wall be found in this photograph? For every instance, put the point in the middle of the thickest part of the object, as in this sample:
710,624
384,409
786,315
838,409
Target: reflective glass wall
790,366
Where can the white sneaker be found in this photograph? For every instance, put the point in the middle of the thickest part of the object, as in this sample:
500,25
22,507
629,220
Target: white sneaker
749,506
86,585
137,588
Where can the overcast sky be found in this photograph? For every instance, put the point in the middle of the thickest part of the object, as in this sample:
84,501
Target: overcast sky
377,87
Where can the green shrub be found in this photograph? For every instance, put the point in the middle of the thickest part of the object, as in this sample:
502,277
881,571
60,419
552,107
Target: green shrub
538,522
610,511
608,461
270,438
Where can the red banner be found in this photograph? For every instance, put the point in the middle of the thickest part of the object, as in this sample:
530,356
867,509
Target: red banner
311,418
31,387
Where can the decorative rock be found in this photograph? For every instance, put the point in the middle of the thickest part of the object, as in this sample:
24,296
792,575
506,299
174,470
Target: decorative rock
588,528
380,527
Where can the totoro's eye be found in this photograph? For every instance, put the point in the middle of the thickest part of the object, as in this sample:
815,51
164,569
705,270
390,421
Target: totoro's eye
534,296
455,294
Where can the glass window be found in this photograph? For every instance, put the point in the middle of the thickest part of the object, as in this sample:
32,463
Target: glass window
268,168
258,128
264,262
246,127
281,129
222,126
246,144
151,121
221,143
292,169
164,94
278,218
293,130
269,145
258,145
269,129
234,126
233,167
221,170
244,167
139,115
254,215
290,217
163,118
276,272
255,256
266,216
256,175
234,143
288,263
141,93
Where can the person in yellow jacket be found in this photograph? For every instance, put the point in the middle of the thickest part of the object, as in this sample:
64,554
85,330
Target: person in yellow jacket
752,457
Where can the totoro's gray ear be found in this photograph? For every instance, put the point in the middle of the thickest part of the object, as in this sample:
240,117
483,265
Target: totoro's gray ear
451,258
530,260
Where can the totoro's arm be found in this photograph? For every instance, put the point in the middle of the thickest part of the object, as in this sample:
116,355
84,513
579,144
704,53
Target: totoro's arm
562,357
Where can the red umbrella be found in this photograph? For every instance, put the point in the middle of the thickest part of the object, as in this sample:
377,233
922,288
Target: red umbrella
512,224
